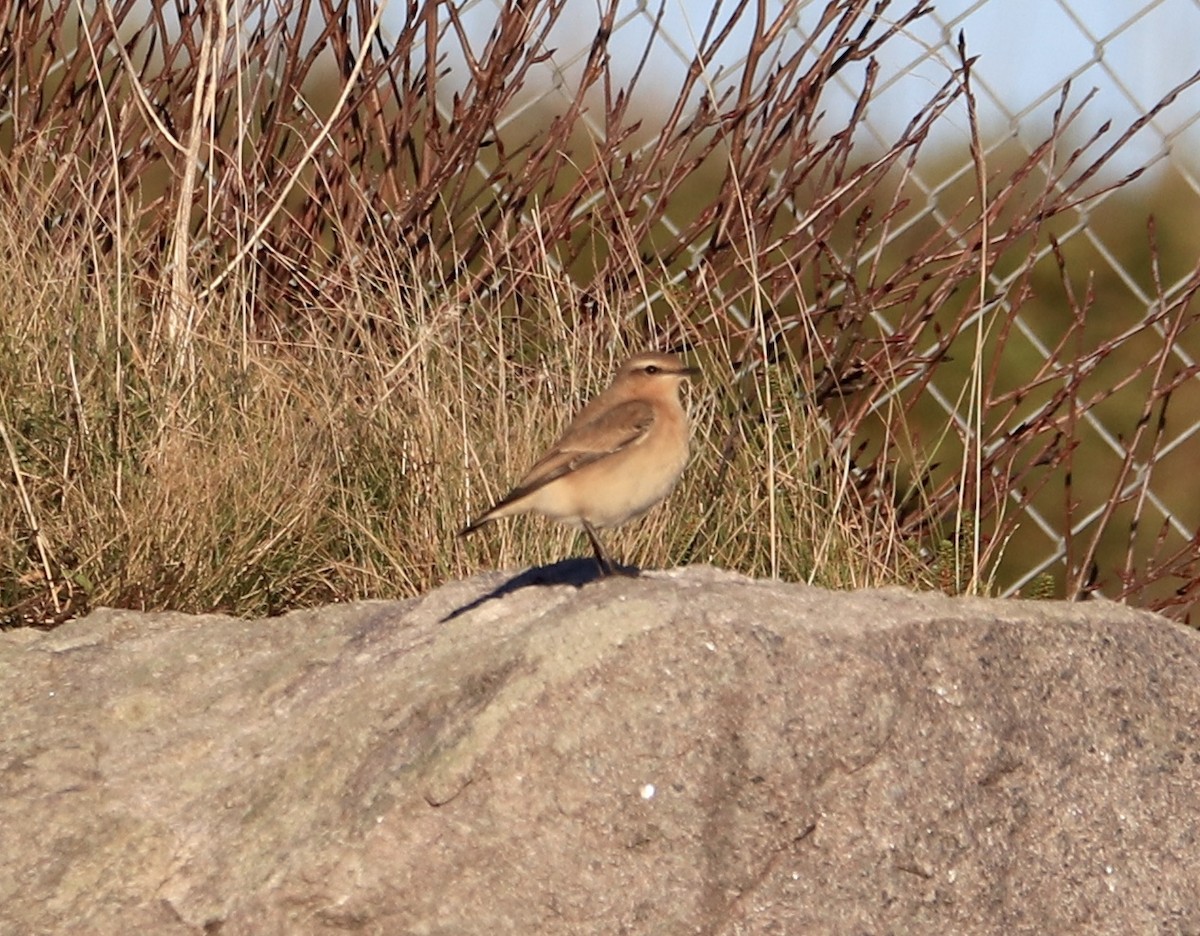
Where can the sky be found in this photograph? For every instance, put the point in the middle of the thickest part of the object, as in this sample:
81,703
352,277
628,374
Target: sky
1131,52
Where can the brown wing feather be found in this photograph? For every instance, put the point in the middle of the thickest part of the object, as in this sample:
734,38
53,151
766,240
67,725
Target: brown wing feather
583,443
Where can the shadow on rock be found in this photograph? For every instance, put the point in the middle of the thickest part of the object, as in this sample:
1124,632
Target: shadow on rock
577,572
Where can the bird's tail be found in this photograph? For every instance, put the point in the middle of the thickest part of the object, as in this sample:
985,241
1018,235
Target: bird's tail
505,507
476,524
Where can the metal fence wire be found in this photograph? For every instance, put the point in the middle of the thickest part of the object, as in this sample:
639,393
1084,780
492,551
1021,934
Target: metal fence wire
1126,56
451,127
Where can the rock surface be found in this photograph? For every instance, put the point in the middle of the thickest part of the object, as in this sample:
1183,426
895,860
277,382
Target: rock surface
686,752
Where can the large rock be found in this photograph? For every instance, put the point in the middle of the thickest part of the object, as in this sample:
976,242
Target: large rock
688,752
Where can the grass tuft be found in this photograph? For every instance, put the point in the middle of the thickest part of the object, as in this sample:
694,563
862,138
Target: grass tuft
279,314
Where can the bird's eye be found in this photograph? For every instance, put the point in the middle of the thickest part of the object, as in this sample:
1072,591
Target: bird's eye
652,368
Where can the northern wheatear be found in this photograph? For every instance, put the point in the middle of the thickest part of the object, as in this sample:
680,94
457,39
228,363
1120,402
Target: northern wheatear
619,457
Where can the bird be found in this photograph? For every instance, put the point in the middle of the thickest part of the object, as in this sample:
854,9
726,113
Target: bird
621,454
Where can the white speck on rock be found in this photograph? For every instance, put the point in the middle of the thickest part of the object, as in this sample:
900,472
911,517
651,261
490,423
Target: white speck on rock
648,791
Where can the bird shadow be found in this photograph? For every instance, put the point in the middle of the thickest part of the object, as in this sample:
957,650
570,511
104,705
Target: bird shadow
577,572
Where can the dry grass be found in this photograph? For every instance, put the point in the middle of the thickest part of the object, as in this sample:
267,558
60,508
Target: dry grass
266,346
338,460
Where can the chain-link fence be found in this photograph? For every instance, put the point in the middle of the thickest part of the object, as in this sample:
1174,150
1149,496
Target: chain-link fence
893,222
1120,60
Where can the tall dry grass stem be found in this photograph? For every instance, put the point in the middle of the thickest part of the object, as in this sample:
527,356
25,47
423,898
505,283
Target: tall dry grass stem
289,289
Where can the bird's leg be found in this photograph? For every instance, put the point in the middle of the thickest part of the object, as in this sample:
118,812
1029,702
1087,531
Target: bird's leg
602,559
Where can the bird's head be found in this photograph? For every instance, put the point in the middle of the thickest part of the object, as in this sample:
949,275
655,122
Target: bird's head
653,372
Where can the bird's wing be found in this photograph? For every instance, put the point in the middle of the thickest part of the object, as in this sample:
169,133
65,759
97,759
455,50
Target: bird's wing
607,433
